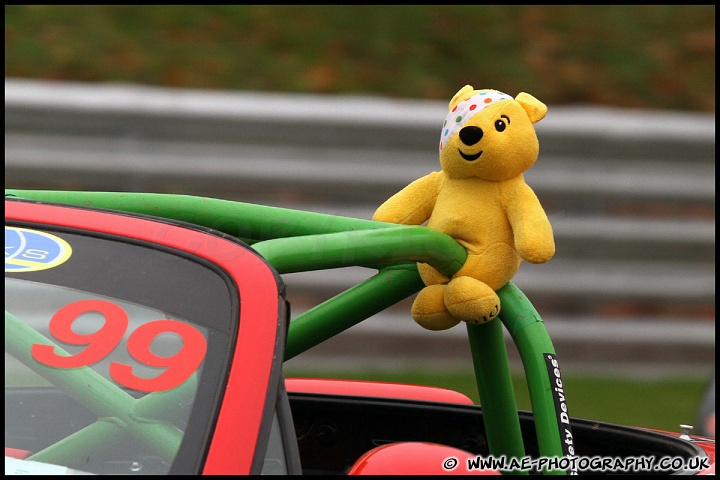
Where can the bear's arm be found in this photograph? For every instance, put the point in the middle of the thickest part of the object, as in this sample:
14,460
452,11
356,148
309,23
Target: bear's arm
531,228
413,204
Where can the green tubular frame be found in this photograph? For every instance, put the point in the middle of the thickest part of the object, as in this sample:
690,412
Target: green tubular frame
294,241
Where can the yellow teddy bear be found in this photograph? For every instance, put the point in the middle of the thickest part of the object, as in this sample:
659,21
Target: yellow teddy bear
480,198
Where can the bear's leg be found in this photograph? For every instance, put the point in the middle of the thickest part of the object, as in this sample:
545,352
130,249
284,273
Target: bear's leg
430,276
429,310
471,300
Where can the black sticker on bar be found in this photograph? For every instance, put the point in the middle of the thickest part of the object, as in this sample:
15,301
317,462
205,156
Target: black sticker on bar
561,408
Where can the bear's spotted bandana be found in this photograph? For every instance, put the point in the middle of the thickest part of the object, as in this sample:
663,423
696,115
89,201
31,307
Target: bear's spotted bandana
463,111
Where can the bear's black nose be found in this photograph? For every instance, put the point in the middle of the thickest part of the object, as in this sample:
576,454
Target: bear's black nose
471,135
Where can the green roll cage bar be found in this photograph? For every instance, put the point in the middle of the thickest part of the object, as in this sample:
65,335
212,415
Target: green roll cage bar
294,241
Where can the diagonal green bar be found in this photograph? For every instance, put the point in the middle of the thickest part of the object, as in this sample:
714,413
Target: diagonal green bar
97,439
87,386
351,307
166,405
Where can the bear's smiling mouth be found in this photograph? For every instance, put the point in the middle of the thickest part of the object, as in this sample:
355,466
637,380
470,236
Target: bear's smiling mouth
470,158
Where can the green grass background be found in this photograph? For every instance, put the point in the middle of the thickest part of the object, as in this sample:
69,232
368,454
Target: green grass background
647,56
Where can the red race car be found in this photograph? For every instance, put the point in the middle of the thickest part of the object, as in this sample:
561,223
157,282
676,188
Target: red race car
146,334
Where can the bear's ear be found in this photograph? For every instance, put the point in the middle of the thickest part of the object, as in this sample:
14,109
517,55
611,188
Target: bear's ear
534,108
463,94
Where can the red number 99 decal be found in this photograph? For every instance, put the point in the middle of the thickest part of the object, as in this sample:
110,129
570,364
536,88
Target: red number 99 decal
179,365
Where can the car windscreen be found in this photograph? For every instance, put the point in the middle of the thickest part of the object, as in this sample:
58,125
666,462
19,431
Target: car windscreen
115,351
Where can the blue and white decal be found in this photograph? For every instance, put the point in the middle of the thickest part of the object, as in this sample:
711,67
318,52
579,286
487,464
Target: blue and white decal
31,250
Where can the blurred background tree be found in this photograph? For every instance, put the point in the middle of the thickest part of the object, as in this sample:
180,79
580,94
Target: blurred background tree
639,56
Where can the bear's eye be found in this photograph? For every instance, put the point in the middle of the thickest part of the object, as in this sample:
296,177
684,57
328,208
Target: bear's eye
500,125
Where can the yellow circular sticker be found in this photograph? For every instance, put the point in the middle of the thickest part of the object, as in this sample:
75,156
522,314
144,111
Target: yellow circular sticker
29,250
